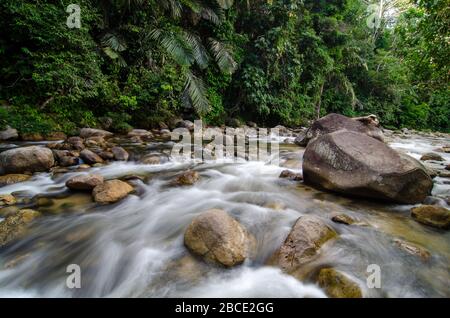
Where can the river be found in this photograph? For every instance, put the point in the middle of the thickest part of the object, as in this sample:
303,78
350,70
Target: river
134,248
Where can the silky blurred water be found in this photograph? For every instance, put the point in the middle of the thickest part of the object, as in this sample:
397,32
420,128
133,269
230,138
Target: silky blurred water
133,248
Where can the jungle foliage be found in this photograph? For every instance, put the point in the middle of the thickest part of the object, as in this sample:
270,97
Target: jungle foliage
141,62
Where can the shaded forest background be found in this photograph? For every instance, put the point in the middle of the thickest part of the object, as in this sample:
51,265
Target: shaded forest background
142,62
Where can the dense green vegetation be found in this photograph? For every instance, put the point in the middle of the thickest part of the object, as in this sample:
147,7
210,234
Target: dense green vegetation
140,62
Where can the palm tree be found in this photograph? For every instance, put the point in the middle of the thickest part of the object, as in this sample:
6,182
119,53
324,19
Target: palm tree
179,39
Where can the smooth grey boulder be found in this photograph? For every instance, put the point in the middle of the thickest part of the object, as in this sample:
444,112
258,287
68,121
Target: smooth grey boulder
356,164
26,159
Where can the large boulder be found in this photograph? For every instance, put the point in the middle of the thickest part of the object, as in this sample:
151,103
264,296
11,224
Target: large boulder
91,132
432,215
219,238
26,159
111,191
334,122
302,244
84,182
355,164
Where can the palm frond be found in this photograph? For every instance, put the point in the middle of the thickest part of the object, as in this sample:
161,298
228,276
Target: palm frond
223,58
198,50
175,45
114,42
197,93
174,6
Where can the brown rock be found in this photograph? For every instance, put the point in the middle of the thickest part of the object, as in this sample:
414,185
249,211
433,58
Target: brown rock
431,156
154,159
355,164
343,219
288,174
84,182
338,285
335,122
302,244
26,159
186,178
13,178
106,155
111,191
31,137
432,215
89,157
15,225
219,238
412,249
120,153
57,135
7,199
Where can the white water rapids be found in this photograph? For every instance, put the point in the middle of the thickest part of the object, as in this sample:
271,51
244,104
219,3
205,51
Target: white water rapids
133,248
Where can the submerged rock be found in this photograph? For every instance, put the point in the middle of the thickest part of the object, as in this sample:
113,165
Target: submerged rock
186,178
355,164
335,122
90,157
111,191
431,156
343,219
13,178
432,215
412,249
26,159
15,225
302,244
7,199
91,132
84,182
338,285
219,238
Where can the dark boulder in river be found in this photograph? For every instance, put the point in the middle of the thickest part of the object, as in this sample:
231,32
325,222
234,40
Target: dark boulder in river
355,164
26,159
334,122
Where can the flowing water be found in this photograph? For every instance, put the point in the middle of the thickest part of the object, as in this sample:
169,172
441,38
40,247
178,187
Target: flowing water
134,248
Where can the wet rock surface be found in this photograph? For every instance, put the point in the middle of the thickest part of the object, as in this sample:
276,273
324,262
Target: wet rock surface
219,238
355,164
432,215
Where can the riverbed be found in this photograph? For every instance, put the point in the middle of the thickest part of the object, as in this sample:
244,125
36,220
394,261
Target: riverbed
134,248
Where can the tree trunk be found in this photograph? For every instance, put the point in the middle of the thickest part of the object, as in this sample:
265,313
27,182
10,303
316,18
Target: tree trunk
319,100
